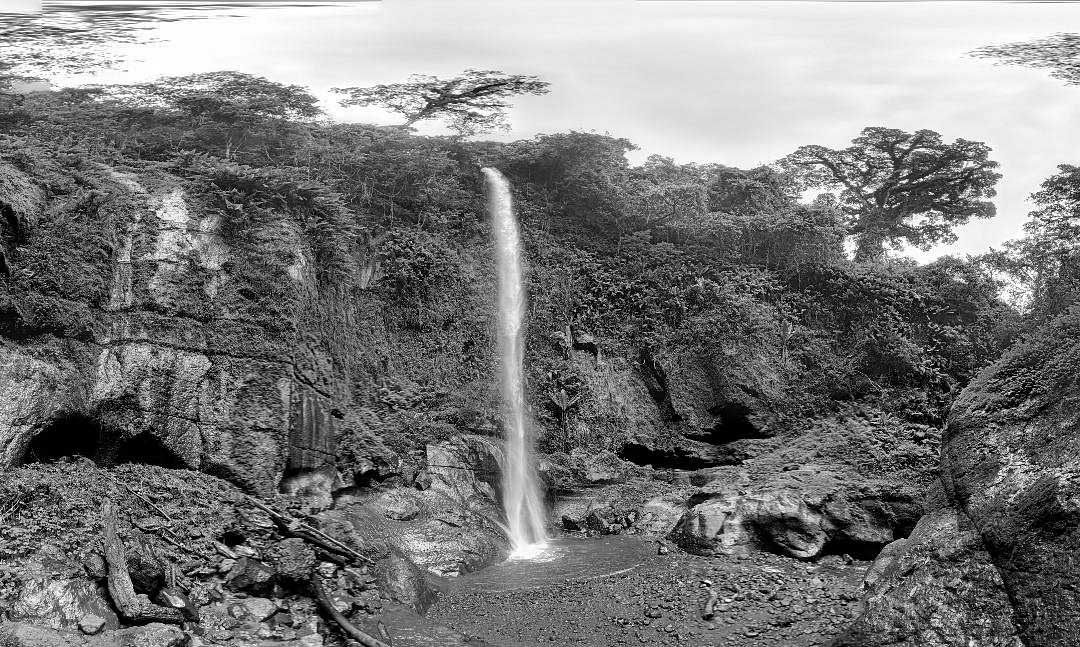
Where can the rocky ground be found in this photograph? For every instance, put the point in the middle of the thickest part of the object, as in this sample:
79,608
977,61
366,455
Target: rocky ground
762,599
212,566
773,538
198,543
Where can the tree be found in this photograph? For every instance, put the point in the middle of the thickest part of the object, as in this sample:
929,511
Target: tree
665,193
475,101
895,186
1059,53
580,177
232,111
223,95
1046,261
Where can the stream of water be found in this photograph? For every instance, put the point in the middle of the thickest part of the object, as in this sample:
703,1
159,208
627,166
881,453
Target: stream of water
521,493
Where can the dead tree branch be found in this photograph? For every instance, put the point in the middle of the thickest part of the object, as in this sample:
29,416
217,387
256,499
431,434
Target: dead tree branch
349,628
295,528
134,608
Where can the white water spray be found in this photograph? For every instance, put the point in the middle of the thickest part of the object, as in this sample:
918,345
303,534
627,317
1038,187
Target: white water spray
521,495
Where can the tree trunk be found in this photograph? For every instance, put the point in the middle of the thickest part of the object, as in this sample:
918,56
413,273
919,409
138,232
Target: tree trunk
870,246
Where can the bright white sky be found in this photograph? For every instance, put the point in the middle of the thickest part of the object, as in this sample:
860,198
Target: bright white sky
740,83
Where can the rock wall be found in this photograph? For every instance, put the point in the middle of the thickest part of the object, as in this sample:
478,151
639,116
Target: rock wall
1012,459
845,485
937,588
124,308
996,564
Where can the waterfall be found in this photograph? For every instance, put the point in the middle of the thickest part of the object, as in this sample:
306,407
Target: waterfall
521,494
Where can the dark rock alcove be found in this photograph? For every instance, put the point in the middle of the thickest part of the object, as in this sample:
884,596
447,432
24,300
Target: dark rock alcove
147,449
734,424
69,435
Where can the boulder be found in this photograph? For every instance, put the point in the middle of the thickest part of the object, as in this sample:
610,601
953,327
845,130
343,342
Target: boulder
152,635
660,515
255,609
1010,460
91,624
457,525
250,575
405,582
590,516
798,513
884,562
20,634
939,588
62,603
401,504
292,559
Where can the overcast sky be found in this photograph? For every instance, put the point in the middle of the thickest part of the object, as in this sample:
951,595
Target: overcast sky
741,83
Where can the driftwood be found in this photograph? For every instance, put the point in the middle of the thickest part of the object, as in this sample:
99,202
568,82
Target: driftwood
710,605
296,528
349,628
133,608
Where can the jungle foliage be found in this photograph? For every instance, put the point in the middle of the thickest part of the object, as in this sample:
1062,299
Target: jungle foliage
659,254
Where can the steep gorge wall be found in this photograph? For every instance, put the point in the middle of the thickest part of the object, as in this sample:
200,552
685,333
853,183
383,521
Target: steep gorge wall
126,319
995,565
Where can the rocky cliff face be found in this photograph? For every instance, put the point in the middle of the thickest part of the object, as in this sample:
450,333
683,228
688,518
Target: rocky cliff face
1011,458
994,566
936,588
130,337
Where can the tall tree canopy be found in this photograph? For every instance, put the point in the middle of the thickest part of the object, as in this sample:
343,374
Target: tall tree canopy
900,187
1046,261
475,101
1059,53
230,113
222,96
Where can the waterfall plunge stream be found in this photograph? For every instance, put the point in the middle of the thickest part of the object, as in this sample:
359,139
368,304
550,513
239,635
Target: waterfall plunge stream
521,494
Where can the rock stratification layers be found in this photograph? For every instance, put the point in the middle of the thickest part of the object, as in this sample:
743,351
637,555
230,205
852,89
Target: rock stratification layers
138,332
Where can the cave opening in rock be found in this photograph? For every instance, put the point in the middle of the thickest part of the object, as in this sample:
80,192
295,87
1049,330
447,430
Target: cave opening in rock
67,436
734,424
147,449
232,538
663,458
864,550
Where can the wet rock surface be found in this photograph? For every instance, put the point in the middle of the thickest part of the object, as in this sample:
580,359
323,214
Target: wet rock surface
450,526
146,348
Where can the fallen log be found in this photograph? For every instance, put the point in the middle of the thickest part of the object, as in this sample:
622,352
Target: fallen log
349,628
132,607
295,528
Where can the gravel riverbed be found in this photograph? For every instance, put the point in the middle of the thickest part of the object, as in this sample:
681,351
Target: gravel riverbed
762,599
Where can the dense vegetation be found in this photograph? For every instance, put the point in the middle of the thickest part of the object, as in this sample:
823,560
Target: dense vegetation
722,262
